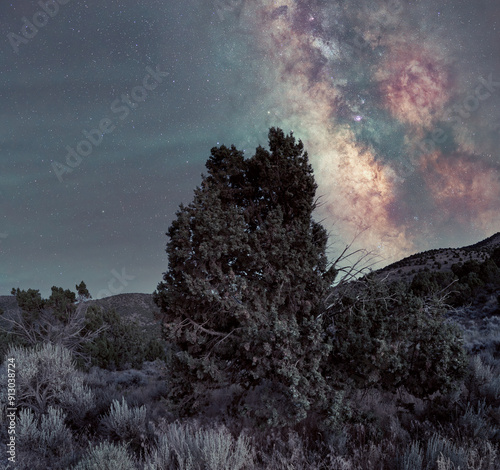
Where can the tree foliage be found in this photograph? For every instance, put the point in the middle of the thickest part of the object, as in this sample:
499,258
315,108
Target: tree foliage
465,282
82,292
61,303
246,277
387,337
119,344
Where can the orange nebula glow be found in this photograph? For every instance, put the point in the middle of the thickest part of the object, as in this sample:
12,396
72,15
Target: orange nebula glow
415,84
360,193
465,190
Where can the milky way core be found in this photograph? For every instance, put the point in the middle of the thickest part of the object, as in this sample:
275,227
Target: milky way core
374,90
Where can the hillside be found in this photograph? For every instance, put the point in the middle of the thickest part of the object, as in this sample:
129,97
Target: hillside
139,308
438,260
471,290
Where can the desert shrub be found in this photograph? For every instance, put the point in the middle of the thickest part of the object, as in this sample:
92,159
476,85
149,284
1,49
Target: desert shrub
107,456
491,390
444,463
184,447
383,455
475,422
384,336
482,456
48,377
438,446
377,415
120,344
430,283
160,456
43,440
289,451
77,399
481,380
124,423
412,458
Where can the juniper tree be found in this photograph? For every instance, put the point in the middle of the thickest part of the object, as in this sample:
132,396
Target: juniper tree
82,292
246,276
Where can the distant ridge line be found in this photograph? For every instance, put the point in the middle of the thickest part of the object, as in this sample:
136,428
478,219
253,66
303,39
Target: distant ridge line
482,243
475,247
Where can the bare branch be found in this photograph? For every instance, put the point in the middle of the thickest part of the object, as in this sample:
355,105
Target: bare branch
47,328
205,330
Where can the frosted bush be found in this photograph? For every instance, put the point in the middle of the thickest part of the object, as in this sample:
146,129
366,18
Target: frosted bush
412,458
483,381
183,447
160,456
107,456
27,431
43,441
475,421
78,398
46,435
124,422
47,377
481,373
437,447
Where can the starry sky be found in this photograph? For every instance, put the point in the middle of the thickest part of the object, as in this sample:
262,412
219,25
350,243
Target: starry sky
109,110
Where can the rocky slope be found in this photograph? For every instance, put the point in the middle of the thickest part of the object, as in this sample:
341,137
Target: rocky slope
438,260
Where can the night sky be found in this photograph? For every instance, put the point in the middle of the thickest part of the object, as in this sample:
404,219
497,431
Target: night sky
109,110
